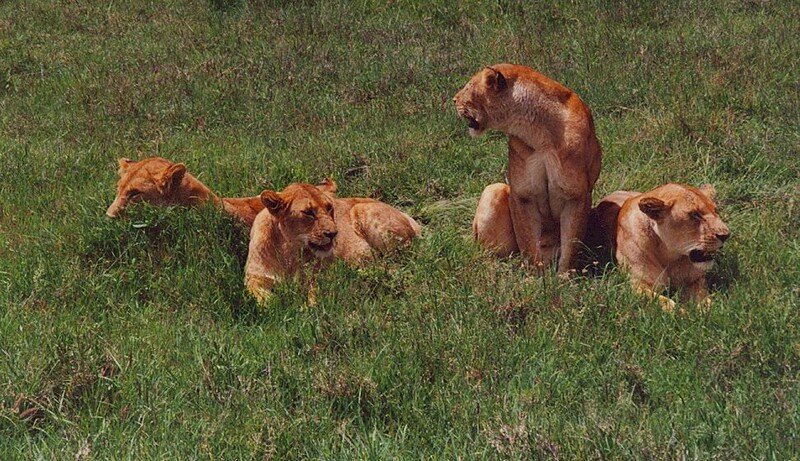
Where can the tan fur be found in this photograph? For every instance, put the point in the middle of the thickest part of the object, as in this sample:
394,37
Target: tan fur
296,227
158,181
655,233
554,156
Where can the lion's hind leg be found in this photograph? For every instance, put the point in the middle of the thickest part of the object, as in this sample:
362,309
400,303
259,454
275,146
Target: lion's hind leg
383,226
492,227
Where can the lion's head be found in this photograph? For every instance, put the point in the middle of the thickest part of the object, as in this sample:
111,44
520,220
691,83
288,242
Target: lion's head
686,220
481,103
153,180
305,215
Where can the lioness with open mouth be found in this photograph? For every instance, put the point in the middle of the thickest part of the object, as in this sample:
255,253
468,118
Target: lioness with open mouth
553,162
296,227
665,238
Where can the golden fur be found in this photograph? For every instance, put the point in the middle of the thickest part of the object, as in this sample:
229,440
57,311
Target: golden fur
367,226
351,229
665,238
554,161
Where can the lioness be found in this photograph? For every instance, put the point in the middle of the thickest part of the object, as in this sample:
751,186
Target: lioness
296,227
553,159
667,237
158,181
366,225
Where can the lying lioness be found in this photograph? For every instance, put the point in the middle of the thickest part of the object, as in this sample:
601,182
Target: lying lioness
553,161
365,225
665,238
305,222
158,181
296,227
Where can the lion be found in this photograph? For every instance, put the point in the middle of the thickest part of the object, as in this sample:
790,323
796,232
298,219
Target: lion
553,160
305,222
366,226
158,181
665,238
296,227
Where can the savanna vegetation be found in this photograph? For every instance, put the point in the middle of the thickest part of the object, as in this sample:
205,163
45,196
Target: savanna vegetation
134,338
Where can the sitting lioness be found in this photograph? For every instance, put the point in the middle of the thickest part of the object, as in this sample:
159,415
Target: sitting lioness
296,227
366,225
665,238
553,162
158,181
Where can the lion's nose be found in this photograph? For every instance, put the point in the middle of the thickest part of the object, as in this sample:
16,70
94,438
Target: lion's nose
724,236
331,234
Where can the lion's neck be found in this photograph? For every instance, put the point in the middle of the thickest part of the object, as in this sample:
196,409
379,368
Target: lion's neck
292,252
194,192
536,118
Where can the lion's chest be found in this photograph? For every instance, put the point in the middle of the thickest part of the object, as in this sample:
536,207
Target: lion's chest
539,177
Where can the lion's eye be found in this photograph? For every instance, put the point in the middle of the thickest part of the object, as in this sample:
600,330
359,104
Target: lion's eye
330,210
696,215
309,212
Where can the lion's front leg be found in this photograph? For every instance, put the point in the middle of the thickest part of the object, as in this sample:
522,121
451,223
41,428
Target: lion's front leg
573,221
526,221
667,305
260,275
697,291
260,286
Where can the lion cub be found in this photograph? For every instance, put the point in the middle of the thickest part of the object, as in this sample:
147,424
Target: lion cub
553,162
665,238
158,181
296,227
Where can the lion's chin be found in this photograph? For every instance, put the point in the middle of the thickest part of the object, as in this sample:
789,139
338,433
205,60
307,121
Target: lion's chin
475,132
475,128
703,260
705,265
321,251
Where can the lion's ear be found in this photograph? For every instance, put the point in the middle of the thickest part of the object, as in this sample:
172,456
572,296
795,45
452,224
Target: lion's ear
171,177
653,207
495,80
708,190
124,163
327,185
273,202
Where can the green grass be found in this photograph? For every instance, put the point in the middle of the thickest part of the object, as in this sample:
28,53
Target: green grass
134,338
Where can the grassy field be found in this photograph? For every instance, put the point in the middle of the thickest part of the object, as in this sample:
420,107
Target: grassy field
134,338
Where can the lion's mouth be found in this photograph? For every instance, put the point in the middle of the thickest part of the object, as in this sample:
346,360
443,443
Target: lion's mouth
472,122
700,256
321,248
